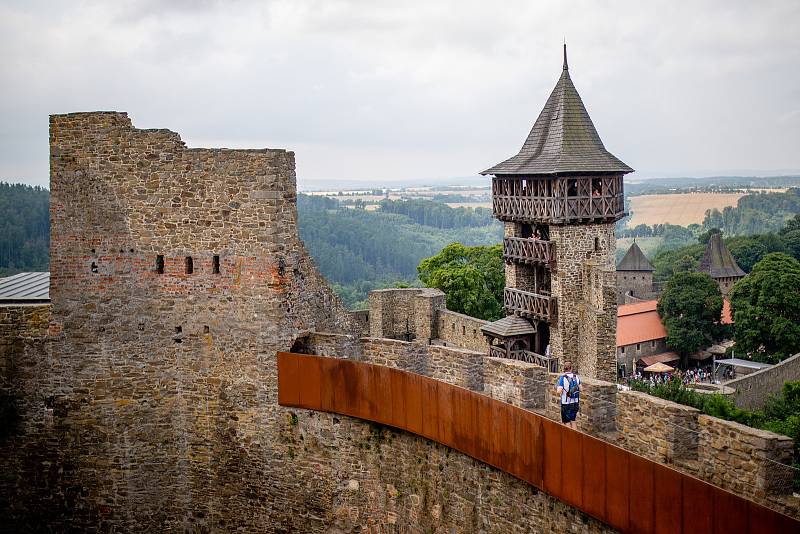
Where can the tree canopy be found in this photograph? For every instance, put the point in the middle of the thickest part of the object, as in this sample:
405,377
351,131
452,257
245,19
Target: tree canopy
472,278
690,308
24,228
755,213
766,309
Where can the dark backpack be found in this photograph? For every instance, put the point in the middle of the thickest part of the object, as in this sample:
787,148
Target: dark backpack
574,389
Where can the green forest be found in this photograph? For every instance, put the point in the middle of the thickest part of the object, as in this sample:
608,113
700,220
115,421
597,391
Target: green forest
24,228
359,250
755,214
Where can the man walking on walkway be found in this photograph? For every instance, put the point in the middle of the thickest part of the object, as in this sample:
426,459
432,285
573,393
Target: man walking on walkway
569,387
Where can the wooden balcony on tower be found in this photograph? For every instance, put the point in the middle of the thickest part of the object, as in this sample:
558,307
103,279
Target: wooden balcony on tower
558,200
527,250
529,305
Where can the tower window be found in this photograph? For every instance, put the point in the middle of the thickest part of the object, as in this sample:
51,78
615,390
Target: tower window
94,267
215,265
160,264
596,244
189,264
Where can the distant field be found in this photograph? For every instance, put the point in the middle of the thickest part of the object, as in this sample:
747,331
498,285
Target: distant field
681,209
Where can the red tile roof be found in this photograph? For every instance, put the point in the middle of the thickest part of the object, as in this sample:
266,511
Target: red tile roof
639,322
727,316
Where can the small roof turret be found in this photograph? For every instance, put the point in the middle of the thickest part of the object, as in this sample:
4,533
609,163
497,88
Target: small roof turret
563,139
718,261
635,260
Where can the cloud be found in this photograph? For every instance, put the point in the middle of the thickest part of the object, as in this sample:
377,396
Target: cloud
409,89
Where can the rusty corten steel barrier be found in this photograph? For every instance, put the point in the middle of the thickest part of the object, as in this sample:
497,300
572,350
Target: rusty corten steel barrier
621,489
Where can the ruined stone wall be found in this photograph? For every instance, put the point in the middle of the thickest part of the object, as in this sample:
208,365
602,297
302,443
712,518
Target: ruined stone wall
152,405
164,383
361,318
459,330
407,314
753,390
572,338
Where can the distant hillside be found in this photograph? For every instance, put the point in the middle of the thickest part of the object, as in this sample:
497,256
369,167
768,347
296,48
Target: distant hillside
359,250
660,186
24,228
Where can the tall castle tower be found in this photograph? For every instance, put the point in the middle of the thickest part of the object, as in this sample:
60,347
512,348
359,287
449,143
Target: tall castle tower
559,199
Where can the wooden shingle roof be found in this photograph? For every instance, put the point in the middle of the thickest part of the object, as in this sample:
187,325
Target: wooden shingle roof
718,261
563,139
635,260
508,327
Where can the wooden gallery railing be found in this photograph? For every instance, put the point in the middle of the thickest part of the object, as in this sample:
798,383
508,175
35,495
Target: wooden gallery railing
558,200
530,305
621,489
524,250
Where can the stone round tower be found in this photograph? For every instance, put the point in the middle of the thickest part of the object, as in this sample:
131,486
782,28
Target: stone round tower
559,198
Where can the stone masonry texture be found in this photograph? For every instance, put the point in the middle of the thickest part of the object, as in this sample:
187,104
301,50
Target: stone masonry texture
148,399
585,332
660,430
151,404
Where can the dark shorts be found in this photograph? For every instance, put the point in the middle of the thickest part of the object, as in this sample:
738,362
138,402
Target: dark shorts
569,412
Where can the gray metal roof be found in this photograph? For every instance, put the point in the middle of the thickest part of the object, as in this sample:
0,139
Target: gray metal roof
738,362
509,326
718,261
25,287
563,139
635,260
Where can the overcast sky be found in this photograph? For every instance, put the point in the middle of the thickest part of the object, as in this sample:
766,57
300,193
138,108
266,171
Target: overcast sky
399,90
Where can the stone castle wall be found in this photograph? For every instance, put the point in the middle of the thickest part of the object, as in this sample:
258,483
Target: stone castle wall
753,390
459,330
21,325
664,431
579,322
636,284
152,405
408,313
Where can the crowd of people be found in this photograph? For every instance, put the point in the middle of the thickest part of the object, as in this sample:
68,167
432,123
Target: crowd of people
688,377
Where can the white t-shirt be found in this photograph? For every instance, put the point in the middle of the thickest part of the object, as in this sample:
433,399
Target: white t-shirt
563,383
